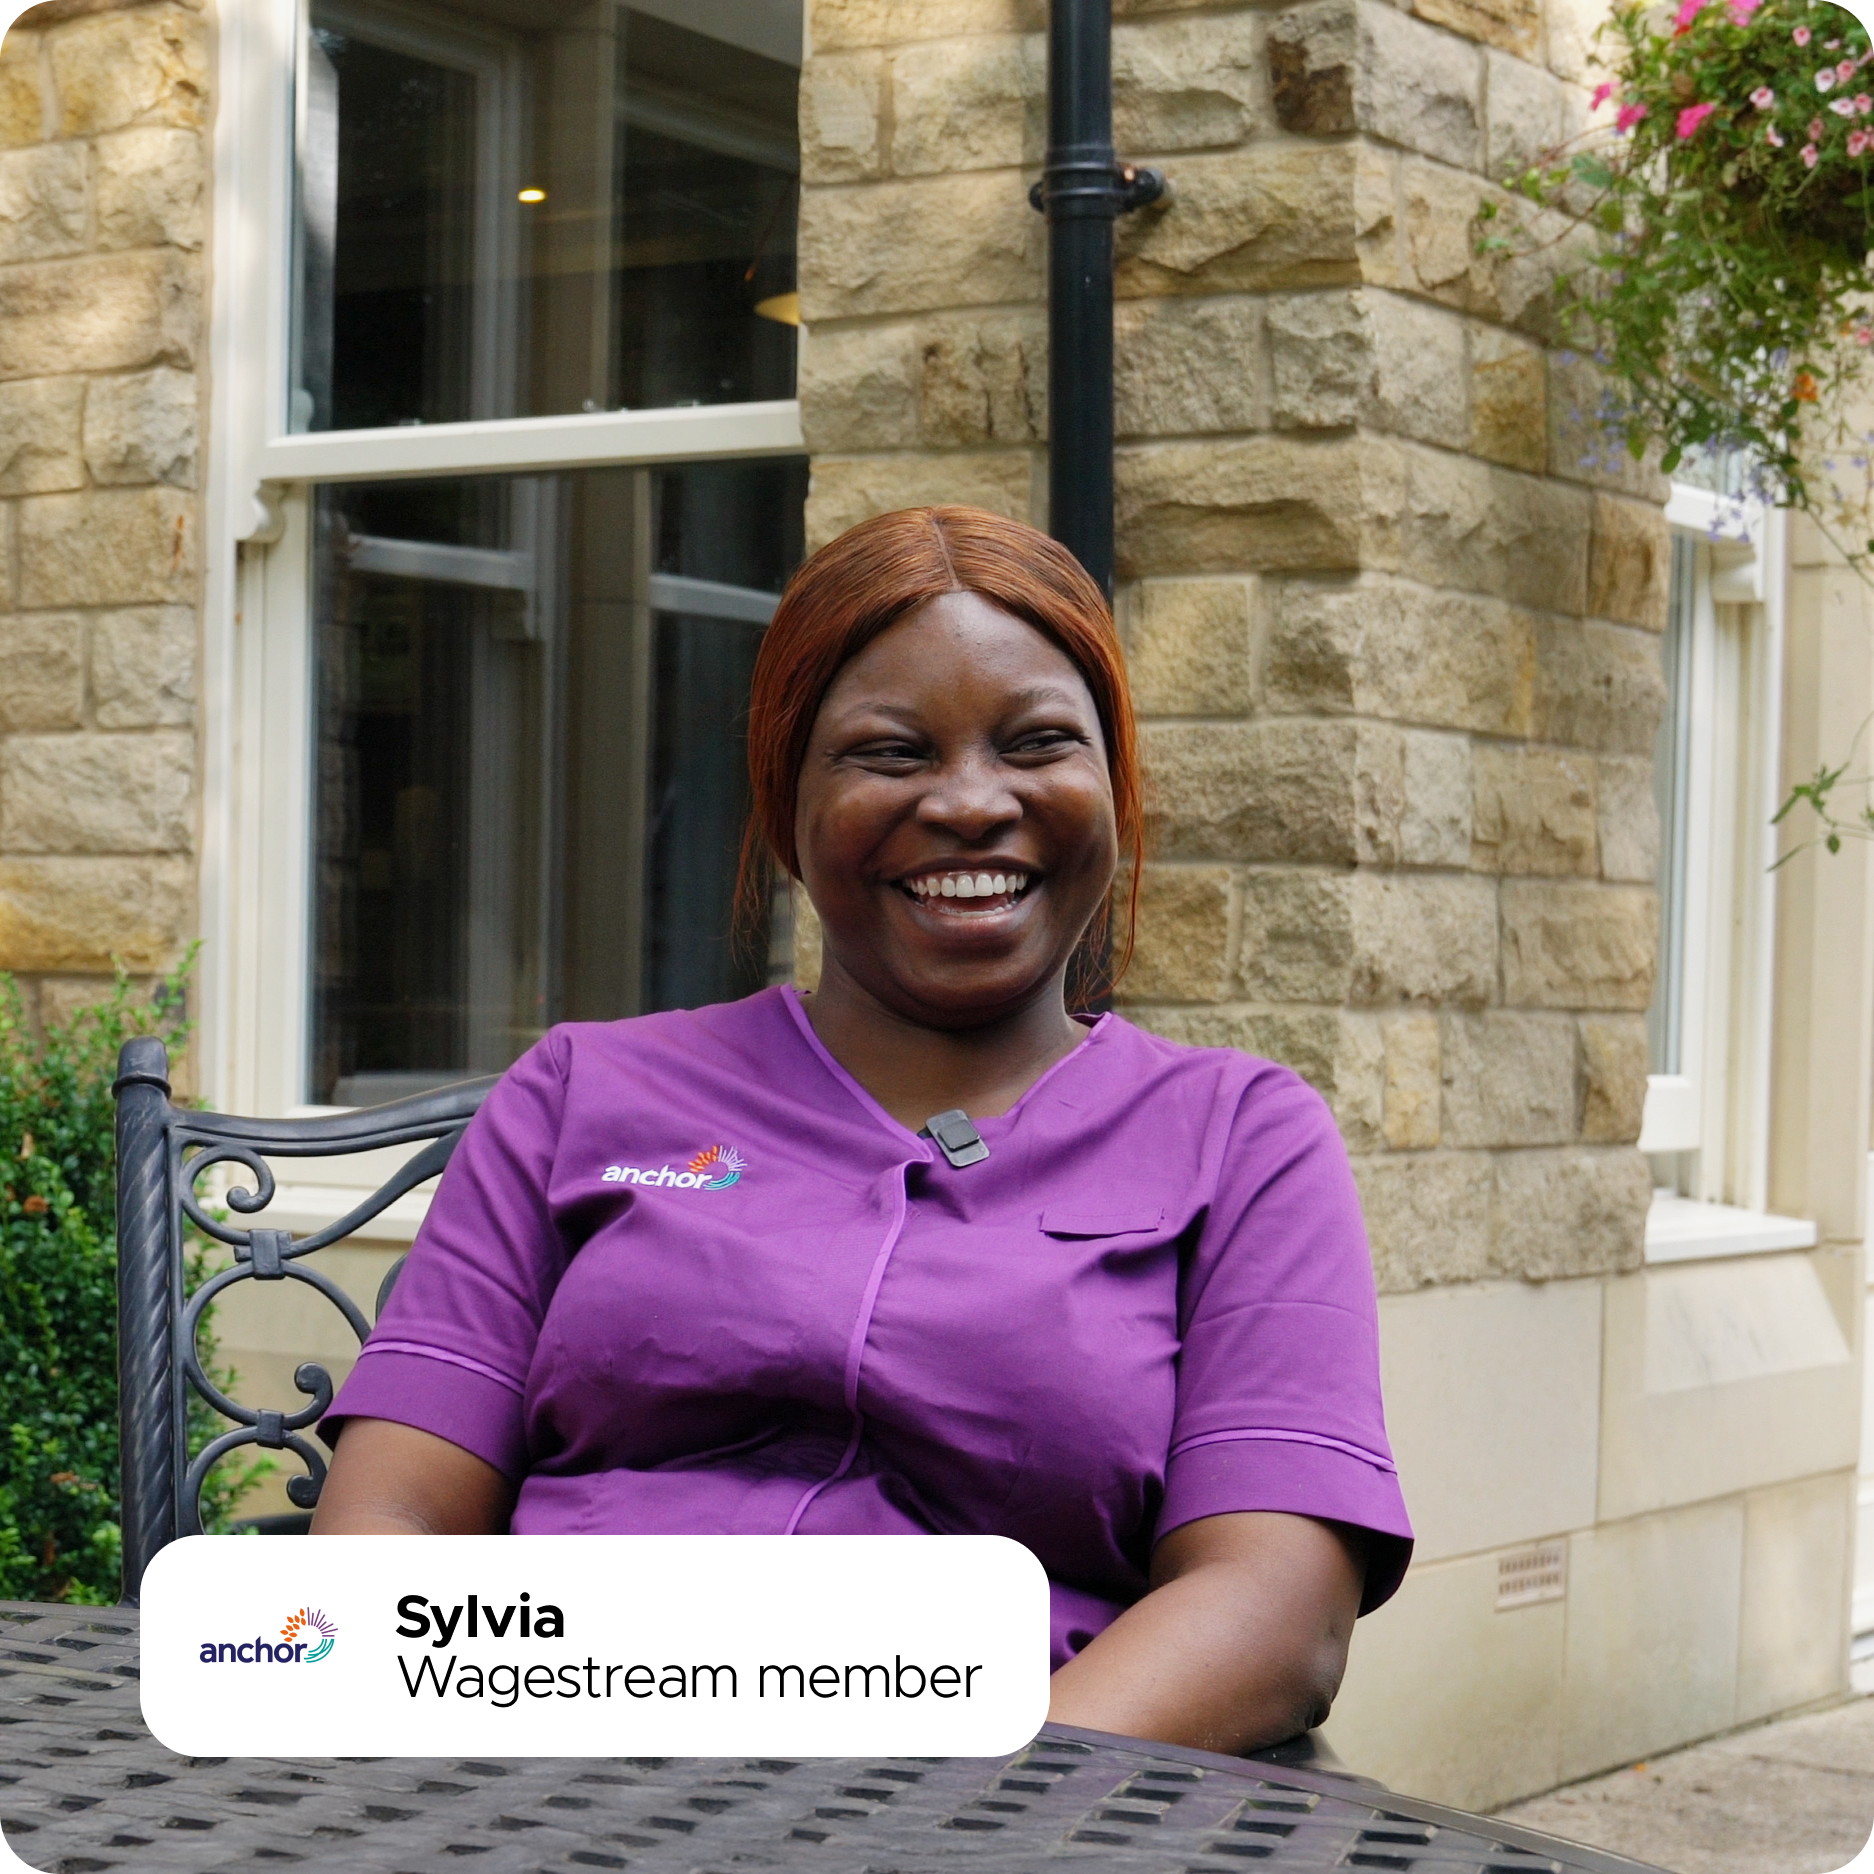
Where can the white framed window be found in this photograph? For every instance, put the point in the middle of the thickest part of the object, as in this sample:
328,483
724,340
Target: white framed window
1706,1123
507,475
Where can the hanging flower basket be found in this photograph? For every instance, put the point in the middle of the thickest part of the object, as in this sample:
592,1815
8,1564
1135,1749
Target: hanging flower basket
1727,188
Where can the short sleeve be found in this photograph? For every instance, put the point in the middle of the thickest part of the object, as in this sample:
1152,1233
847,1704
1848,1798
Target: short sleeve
1278,1404
451,1351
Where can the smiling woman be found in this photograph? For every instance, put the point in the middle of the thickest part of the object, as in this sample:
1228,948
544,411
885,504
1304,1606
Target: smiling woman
1131,1325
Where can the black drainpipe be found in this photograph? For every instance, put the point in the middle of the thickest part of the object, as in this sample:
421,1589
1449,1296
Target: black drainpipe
1083,190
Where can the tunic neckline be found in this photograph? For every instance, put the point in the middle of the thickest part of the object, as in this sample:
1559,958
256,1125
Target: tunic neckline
797,1007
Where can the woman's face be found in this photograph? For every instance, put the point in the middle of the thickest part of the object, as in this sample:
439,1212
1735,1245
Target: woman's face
955,817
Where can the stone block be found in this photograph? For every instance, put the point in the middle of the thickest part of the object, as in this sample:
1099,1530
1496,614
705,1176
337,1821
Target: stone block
1263,790
1335,1051
1629,819
1412,1100
859,388
1413,797
22,102
101,312
849,489
1614,1060
1511,25
1574,47
1186,84
1182,952
1380,647
42,674
1652,1635
39,435
1423,938
86,914
96,793
142,429
1341,65
1261,218
1528,116
143,66
1258,504
1572,1212
961,104
1509,1079
919,246
1535,811
1188,367
152,188
1509,399
1297,936
143,668
841,25
1585,444
1192,645
1514,287
1427,1217
111,547
1629,563
1487,529
1575,945
1798,1564
983,379
1368,357
1597,686
841,102
42,203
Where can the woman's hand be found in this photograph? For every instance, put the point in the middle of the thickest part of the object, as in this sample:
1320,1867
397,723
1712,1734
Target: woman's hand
1241,1642
393,1480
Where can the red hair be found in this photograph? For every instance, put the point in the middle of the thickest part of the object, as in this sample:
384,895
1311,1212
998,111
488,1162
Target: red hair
860,585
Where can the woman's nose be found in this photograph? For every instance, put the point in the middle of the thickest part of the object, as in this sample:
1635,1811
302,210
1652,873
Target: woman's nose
969,797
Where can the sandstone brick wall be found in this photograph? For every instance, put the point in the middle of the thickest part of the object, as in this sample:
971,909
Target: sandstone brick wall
1392,621
103,184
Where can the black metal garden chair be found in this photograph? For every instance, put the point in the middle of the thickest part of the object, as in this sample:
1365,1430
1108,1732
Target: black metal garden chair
163,1152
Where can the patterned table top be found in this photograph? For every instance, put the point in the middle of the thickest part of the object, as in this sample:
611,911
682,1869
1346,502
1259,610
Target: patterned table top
85,1788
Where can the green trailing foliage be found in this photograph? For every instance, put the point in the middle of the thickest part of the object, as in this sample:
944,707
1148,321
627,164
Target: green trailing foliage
1720,213
59,1532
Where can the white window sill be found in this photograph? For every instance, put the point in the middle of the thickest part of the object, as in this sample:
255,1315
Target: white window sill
1681,1229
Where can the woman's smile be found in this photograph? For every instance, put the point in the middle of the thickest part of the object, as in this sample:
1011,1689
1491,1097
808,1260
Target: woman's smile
978,891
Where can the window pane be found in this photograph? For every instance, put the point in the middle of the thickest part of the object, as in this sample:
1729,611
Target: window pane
530,207
531,778
1671,787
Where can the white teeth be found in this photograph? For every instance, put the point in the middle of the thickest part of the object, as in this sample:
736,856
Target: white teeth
966,888
948,888
983,885
970,885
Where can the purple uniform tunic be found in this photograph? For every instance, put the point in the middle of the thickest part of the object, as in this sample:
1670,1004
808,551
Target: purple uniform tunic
684,1275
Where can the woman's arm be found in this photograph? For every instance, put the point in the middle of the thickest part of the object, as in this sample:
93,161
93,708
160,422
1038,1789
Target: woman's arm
393,1480
1241,1641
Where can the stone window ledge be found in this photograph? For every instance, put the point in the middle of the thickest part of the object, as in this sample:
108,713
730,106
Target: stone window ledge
1681,1229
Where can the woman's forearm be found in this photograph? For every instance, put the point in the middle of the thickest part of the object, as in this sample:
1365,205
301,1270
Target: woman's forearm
393,1480
1241,1642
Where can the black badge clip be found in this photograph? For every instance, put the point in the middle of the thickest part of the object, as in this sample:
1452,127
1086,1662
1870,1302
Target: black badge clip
957,1138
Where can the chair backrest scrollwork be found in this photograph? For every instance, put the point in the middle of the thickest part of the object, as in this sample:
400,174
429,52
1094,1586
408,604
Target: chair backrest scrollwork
163,1153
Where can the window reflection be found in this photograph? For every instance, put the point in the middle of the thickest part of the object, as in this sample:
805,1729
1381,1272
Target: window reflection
530,207
531,777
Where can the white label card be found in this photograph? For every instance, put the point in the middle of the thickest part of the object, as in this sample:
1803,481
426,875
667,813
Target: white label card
595,1646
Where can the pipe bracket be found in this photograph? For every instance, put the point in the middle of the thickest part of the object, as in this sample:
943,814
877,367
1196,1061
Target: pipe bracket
1073,187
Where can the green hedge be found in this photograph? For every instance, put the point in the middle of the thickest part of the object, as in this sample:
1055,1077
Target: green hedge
59,1534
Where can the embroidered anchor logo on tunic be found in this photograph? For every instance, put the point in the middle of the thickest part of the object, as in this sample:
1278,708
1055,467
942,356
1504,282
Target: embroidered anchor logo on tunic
712,1170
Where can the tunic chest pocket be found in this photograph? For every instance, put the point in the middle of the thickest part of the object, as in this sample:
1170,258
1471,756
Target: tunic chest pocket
1102,1219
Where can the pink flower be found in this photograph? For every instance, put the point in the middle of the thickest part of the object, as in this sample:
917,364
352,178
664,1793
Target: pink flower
1815,128
1843,107
1801,35
1689,10
1810,155
1741,10
1772,136
1845,70
1691,117
1601,94
1857,142
1825,78
1763,97
1630,114
1863,103
1865,336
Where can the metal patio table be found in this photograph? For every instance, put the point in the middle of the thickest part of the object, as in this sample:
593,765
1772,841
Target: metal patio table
84,1788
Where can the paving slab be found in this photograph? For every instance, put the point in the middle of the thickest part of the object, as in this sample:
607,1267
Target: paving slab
1793,1797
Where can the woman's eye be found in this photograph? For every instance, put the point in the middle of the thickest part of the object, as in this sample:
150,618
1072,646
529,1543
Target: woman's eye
1044,742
